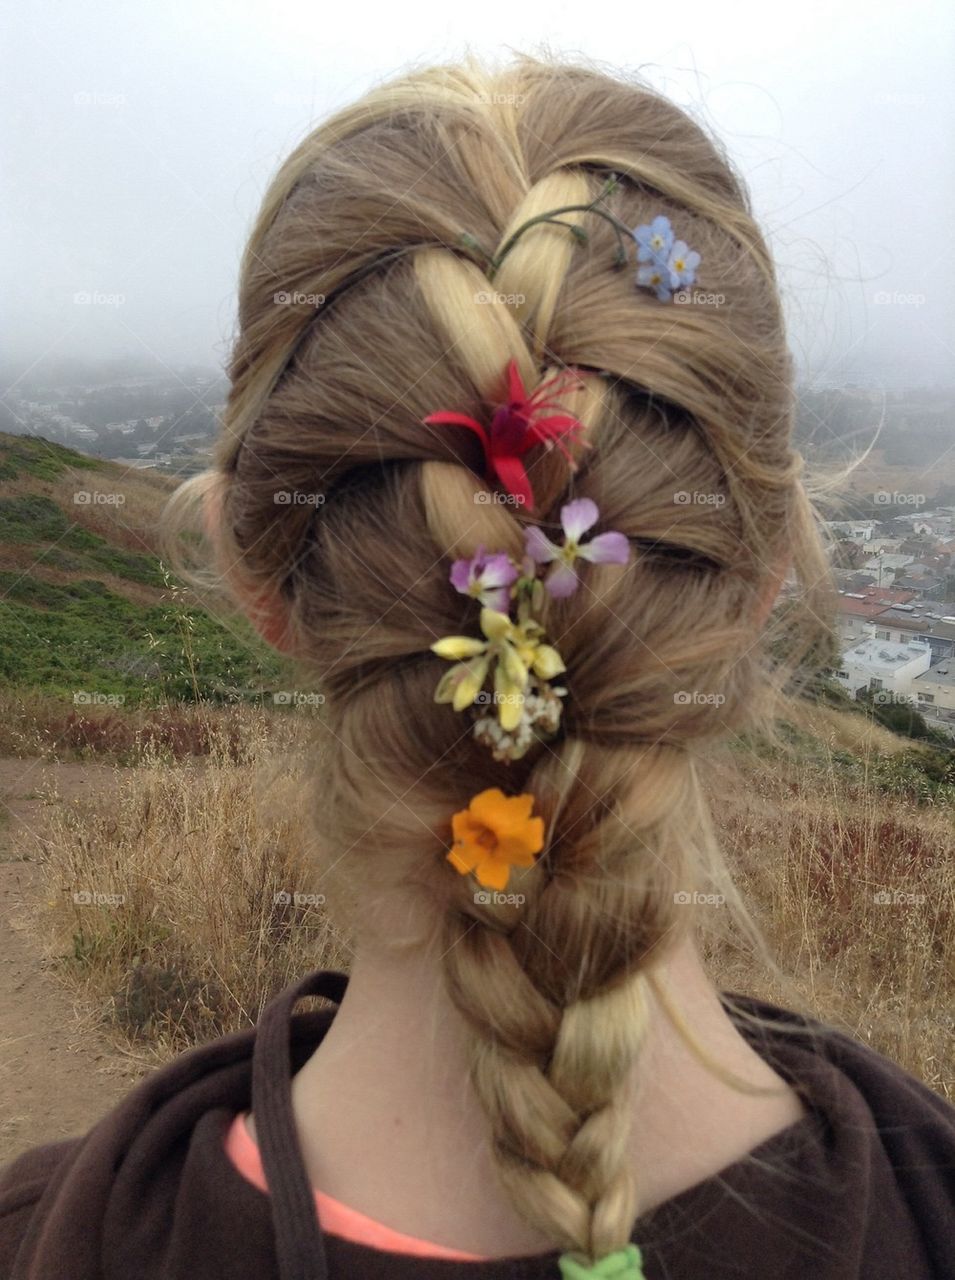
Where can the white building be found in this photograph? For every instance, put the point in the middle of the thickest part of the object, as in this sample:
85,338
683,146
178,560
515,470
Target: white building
853,530
887,565
882,666
935,689
881,544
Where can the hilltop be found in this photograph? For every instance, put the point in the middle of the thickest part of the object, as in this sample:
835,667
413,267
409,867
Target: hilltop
87,610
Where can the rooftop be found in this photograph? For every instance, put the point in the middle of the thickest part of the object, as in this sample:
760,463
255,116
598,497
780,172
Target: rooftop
943,673
883,655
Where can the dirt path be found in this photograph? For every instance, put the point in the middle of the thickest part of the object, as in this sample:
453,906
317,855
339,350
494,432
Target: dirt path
57,1074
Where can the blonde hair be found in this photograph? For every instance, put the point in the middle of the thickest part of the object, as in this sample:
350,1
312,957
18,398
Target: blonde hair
361,310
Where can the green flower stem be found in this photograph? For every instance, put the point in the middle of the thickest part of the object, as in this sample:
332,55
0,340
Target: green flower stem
619,226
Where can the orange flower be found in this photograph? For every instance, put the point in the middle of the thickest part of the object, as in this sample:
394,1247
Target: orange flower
494,833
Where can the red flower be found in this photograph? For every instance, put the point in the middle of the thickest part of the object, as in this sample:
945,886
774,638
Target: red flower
515,428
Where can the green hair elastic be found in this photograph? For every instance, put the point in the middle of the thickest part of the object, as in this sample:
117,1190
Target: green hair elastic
622,1264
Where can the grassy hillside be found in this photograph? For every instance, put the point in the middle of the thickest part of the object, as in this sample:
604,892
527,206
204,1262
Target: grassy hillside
839,835
87,611
210,900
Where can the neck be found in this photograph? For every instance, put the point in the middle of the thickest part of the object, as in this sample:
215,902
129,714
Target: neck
389,1123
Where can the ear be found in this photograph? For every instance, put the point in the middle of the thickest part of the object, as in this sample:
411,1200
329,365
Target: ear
265,608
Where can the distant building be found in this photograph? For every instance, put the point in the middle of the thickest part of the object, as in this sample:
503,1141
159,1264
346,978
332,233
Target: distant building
881,666
83,433
904,624
857,608
935,690
881,543
853,530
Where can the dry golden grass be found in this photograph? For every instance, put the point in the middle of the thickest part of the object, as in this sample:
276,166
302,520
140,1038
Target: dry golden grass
855,893
36,724
181,931
201,848
131,524
874,473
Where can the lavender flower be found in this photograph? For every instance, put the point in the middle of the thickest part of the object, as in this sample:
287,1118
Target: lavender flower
486,578
575,518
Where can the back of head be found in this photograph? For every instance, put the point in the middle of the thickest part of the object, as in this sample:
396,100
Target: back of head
365,305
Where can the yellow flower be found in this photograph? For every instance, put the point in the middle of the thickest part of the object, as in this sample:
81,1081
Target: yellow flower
515,648
494,833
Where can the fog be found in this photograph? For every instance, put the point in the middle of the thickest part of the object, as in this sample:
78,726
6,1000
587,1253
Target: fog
138,140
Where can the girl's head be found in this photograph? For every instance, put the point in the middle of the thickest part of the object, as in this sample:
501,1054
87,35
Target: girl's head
336,512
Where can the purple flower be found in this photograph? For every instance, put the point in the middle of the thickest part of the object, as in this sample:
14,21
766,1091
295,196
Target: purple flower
487,578
575,519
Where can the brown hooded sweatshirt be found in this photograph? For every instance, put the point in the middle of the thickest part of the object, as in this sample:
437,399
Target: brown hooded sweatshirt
862,1186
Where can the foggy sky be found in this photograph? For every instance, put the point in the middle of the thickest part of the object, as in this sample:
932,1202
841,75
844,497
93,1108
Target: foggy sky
138,140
